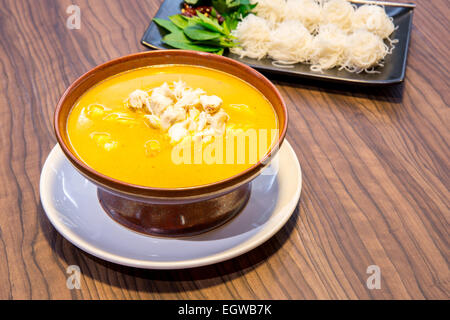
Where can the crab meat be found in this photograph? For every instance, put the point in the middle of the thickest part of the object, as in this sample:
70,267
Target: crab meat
181,111
138,100
218,121
190,98
164,90
210,104
153,121
159,103
177,132
171,115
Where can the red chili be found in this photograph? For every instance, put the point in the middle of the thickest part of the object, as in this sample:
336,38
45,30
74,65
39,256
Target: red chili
190,11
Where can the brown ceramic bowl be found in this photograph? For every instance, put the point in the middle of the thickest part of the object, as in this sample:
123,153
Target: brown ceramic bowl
164,211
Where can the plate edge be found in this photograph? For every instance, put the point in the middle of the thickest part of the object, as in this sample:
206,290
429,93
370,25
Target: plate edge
162,265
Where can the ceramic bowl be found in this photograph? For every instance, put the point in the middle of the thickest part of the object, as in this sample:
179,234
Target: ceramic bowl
169,211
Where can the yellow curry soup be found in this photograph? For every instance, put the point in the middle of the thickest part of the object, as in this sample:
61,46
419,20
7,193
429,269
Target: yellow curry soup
118,141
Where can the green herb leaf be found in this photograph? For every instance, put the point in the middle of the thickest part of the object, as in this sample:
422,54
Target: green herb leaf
234,13
225,27
198,32
180,41
207,22
166,24
202,32
179,20
224,6
222,42
220,52
193,2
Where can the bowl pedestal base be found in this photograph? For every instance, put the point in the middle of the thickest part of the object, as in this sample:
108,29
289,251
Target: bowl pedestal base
174,219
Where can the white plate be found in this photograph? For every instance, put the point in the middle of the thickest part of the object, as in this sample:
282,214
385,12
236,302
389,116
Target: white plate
71,204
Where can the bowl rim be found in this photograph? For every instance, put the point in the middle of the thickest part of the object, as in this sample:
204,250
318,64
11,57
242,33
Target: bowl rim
123,186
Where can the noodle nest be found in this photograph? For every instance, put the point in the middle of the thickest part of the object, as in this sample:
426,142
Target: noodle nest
323,33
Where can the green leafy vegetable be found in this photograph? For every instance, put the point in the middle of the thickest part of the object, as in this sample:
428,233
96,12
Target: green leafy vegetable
208,22
198,32
179,20
180,41
225,6
232,18
193,2
204,32
166,24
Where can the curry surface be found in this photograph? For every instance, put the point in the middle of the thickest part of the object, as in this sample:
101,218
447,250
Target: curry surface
94,122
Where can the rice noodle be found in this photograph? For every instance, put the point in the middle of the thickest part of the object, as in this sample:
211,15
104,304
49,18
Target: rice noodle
328,48
271,10
364,50
323,33
253,33
290,42
305,11
373,19
338,12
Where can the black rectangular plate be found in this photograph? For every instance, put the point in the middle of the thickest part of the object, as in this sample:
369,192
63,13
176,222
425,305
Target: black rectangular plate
392,72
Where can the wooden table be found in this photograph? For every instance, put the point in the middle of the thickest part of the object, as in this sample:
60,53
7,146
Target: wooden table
375,172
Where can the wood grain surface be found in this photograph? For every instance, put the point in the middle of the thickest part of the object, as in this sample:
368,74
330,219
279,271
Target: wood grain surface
375,171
